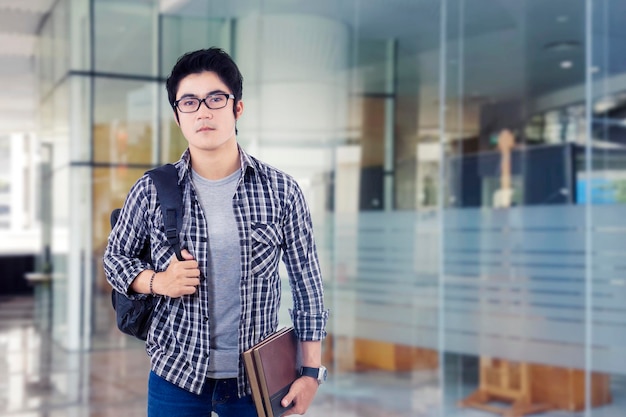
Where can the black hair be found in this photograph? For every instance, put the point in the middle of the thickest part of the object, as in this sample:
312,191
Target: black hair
212,59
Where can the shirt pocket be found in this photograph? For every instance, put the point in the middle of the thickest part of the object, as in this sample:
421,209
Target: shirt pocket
265,240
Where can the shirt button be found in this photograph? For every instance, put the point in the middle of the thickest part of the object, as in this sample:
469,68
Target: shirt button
206,319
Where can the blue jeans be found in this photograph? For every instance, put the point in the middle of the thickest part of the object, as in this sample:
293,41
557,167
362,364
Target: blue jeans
219,395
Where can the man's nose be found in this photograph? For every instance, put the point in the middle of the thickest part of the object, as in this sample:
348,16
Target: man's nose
204,110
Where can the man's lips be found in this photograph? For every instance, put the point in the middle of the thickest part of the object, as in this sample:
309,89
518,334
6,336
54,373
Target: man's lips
204,129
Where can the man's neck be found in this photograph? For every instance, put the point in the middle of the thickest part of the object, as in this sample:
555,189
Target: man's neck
218,164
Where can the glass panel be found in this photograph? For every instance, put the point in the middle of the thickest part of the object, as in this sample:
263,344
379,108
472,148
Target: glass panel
517,291
57,235
60,45
181,34
80,39
384,295
5,183
123,129
601,184
125,37
110,187
171,141
54,113
44,58
53,47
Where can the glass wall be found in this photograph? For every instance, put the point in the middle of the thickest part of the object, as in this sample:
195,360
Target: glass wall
600,186
463,161
514,267
54,47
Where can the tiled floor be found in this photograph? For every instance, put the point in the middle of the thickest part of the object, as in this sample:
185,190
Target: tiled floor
38,379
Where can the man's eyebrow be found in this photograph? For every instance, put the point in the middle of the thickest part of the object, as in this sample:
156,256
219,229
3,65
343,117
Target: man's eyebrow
187,95
216,92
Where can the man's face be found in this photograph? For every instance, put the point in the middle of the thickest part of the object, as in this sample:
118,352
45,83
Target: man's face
207,129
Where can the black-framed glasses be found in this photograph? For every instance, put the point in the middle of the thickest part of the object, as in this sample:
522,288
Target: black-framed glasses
213,102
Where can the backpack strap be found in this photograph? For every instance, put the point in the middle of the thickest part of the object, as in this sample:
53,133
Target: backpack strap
170,197
115,214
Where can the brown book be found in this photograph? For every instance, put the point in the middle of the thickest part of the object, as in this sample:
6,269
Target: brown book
272,367
248,361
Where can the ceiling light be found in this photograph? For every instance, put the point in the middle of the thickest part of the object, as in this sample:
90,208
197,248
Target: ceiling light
566,64
604,104
561,46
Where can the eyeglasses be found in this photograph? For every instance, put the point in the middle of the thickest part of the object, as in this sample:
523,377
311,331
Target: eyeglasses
213,102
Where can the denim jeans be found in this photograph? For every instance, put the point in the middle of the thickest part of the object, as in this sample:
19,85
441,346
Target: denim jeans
219,395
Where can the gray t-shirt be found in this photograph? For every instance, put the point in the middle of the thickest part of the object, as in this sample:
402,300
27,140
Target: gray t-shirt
215,197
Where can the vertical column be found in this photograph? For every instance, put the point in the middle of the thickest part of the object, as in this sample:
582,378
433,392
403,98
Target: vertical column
296,92
390,116
16,150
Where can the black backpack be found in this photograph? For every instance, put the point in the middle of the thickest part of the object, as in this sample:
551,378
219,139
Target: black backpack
134,316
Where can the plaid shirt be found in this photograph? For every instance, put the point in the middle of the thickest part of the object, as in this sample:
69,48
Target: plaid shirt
272,218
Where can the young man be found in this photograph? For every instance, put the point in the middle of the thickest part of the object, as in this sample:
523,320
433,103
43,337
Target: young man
241,216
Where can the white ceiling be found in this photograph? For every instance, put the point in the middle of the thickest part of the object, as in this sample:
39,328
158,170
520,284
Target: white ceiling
19,23
503,46
526,67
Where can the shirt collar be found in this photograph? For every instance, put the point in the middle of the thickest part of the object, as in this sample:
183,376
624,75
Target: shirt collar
246,163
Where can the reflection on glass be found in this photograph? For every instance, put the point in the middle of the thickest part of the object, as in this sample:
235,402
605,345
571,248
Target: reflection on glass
124,37
123,122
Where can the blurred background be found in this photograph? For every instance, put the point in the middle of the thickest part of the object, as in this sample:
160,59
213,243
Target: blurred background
464,161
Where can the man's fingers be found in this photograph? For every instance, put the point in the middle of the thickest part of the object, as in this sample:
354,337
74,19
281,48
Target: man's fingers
186,254
183,277
300,395
188,267
287,399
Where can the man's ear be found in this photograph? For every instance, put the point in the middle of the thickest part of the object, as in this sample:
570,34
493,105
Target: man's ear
238,109
176,117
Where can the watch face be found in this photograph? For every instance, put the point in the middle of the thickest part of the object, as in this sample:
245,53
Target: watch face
323,374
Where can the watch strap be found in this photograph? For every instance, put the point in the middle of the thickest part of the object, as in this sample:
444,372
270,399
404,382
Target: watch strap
308,371
318,373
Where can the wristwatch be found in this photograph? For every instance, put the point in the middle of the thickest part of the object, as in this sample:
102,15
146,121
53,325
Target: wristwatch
317,373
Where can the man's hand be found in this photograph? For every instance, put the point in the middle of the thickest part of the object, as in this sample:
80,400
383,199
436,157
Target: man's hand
180,277
301,393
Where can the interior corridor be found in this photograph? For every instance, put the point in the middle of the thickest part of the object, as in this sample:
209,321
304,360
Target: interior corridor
37,379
